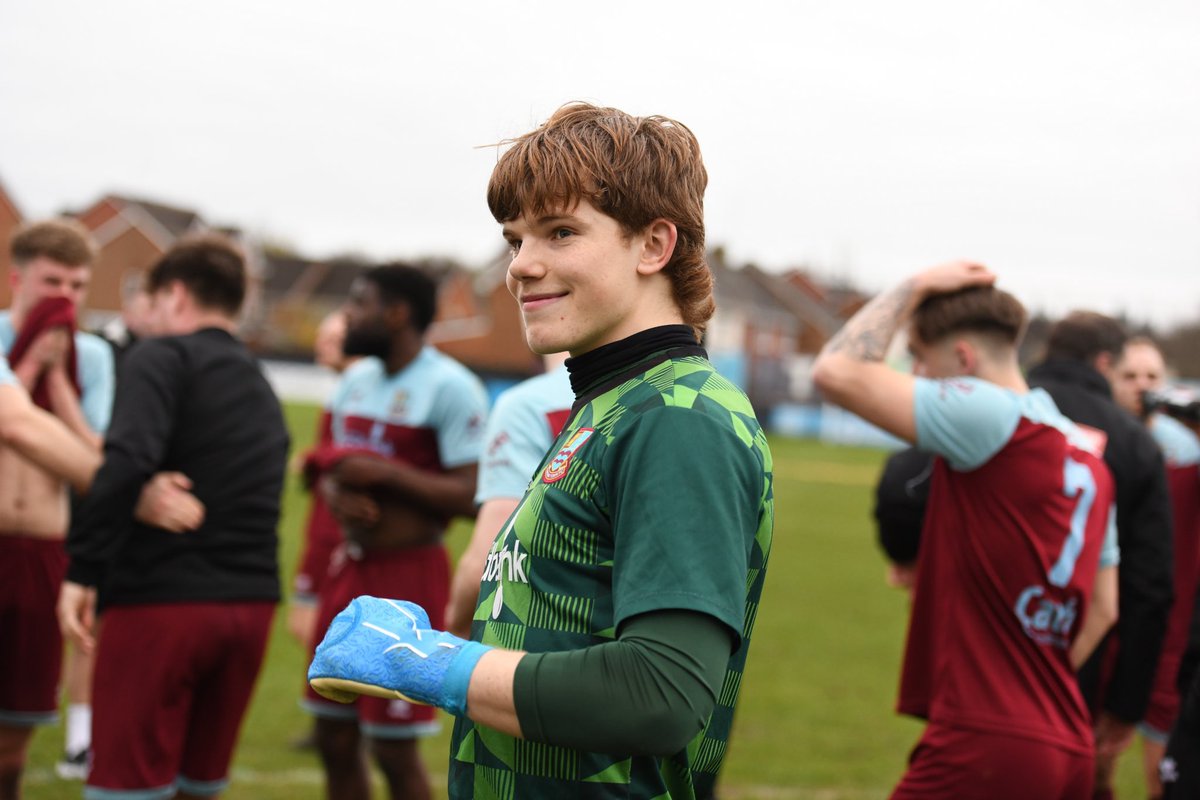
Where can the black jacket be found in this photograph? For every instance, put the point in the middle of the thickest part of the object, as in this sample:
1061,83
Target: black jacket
1143,533
900,500
197,404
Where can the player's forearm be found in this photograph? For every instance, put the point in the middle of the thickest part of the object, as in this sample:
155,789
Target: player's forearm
850,366
867,335
1101,616
103,519
648,693
450,493
45,441
490,695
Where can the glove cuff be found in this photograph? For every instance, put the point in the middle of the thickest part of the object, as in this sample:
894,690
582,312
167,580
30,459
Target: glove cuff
458,677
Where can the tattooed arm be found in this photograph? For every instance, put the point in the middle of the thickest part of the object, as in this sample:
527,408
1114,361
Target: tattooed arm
850,371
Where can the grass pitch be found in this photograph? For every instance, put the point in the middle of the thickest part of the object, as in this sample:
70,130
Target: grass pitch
815,718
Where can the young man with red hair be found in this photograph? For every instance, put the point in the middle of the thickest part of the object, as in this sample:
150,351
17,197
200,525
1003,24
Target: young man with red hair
606,657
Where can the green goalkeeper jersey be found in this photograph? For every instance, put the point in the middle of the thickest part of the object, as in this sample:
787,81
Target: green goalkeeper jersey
657,495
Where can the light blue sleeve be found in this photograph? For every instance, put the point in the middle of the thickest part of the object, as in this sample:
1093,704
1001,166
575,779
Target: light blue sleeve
1110,553
516,439
96,380
964,420
1179,445
7,378
462,413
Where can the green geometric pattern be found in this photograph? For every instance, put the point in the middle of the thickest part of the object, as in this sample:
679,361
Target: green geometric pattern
553,583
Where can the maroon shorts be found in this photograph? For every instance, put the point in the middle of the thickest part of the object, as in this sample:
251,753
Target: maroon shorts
31,573
171,685
418,574
322,538
953,763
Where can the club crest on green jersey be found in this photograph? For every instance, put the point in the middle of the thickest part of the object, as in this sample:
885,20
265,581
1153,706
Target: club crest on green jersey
556,470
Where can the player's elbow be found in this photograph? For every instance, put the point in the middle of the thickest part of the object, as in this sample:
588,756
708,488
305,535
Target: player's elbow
665,731
833,375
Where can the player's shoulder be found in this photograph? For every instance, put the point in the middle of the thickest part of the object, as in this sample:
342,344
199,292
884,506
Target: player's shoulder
693,382
443,370
1039,408
156,356
361,371
548,391
89,346
696,400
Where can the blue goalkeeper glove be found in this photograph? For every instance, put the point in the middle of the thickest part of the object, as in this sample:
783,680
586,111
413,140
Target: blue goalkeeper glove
385,648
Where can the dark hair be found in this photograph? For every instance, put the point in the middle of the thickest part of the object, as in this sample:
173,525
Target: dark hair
1083,335
978,309
403,283
634,169
211,267
63,240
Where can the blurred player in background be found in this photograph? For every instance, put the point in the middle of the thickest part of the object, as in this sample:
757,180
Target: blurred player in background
124,331
1016,579
525,422
1179,771
1141,369
120,334
70,374
900,499
406,429
1081,354
186,617
322,536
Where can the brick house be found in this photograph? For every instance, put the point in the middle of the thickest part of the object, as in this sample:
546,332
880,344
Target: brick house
10,219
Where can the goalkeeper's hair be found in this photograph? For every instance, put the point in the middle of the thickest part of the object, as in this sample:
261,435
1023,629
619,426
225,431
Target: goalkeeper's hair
633,169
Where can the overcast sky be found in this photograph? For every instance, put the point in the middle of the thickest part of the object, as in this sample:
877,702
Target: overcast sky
1059,142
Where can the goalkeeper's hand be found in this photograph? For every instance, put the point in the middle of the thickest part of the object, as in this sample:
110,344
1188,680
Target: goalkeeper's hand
385,648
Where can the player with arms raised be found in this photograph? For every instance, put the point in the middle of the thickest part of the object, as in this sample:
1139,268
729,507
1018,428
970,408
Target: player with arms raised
1008,598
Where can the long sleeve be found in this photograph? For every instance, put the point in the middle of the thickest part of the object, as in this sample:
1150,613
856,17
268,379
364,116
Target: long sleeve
648,692
1145,579
138,436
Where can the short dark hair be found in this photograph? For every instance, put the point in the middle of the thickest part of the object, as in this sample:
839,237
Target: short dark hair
977,309
66,241
211,267
403,283
1083,335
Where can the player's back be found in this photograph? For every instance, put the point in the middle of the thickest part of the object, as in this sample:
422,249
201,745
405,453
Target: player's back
229,437
1019,509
